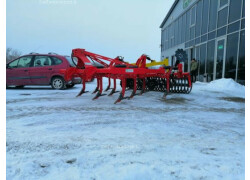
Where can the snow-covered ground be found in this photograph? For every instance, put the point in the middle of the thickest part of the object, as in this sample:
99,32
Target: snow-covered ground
51,134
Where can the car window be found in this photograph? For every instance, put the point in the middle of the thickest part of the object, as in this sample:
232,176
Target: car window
41,61
56,61
13,64
70,61
24,61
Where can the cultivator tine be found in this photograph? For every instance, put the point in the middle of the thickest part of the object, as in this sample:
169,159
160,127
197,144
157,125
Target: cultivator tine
99,93
113,90
134,90
143,86
167,88
121,96
83,89
96,89
108,87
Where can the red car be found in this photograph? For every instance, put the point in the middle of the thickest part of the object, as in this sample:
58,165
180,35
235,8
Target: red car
39,69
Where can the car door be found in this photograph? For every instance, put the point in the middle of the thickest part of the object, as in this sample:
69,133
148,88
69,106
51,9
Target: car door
17,71
41,70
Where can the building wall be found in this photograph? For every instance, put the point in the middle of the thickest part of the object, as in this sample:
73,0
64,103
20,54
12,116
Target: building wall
213,32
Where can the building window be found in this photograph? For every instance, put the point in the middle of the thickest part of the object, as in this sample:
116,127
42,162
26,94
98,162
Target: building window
176,33
222,17
186,63
211,35
162,40
212,14
231,56
243,9
241,63
243,24
188,26
184,28
166,35
198,19
198,40
205,16
210,59
221,31
233,27
192,32
223,3
203,56
193,17
170,36
179,29
197,57
204,38
234,10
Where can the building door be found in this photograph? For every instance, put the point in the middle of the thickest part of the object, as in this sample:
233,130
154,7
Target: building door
220,56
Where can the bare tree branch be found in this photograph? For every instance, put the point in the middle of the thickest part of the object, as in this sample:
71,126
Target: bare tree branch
12,54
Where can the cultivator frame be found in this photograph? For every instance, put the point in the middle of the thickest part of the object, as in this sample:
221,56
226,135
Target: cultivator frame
113,69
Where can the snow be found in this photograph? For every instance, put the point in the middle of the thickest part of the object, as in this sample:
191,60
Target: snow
51,134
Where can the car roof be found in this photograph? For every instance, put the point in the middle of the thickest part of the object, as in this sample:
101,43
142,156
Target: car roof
37,54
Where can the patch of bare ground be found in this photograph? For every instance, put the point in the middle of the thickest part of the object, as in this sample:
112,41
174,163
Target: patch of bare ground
177,100
234,99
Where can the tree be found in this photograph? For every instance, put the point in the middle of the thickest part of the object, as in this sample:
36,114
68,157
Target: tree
12,54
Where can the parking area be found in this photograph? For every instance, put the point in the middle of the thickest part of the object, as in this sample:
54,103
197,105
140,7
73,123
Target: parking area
54,135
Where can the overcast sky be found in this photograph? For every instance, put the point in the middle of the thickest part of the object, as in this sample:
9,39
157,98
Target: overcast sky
108,27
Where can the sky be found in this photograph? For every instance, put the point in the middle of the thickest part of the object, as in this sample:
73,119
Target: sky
126,28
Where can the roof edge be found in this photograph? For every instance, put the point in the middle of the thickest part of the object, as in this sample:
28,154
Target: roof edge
169,13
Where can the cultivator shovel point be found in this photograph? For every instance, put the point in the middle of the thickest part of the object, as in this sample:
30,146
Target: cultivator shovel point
138,76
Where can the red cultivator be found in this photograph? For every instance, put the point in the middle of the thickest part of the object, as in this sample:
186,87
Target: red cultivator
136,77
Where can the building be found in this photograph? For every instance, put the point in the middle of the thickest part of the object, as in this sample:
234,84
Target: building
212,31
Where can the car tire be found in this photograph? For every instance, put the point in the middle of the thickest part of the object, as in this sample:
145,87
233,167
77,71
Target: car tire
58,83
70,85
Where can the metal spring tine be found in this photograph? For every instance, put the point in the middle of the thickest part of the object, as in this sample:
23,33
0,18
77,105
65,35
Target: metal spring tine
108,87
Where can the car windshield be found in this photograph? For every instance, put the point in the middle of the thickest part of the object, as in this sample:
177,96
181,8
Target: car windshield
70,61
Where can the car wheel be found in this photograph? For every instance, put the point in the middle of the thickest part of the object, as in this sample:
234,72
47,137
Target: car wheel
19,87
58,83
70,85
